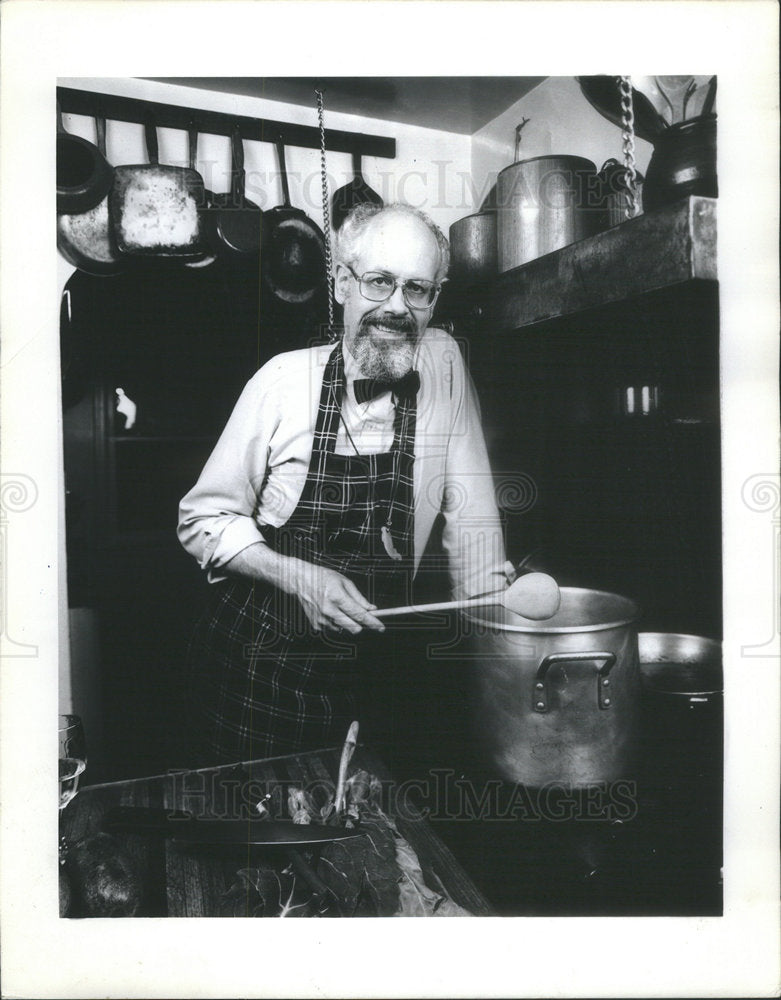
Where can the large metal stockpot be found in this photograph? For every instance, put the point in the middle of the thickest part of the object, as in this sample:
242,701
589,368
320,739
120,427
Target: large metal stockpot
544,204
558,701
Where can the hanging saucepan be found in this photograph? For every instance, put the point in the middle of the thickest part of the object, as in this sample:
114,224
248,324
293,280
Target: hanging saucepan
357,192
233,222
154,208
83,174
209,197
293,251
84,238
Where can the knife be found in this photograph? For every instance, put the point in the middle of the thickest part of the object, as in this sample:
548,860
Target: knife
182,825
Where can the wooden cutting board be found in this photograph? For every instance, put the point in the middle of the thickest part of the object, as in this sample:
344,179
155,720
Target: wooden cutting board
180,880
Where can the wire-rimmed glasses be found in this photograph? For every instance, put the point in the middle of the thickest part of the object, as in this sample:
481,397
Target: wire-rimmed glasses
379,286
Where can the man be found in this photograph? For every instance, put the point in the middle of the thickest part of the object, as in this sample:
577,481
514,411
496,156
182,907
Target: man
316,505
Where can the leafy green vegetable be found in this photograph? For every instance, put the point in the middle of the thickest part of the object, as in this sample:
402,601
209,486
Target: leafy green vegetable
362,872
375,874
264,892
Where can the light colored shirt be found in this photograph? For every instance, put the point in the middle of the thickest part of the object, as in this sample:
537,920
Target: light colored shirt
256,473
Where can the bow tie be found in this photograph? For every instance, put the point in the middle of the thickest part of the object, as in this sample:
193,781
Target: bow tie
405,387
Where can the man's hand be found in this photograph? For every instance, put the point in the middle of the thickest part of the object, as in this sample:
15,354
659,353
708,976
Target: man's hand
328,598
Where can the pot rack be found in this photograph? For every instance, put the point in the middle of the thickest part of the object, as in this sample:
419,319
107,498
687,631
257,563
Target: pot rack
132,109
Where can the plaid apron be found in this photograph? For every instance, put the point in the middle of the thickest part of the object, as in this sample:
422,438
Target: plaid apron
262,682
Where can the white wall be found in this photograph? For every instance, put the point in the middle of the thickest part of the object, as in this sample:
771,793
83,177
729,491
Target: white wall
561,122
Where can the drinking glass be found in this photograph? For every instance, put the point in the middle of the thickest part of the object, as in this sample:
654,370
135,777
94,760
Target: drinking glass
73,756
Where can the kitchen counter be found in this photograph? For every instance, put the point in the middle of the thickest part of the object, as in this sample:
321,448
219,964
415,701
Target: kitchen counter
185,880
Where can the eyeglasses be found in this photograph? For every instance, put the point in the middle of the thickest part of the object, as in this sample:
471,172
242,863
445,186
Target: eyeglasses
378,286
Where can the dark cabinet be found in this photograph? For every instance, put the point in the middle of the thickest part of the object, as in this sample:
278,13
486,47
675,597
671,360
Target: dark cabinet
181,343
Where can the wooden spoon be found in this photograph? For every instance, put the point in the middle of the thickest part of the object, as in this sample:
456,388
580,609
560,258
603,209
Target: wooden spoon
534,595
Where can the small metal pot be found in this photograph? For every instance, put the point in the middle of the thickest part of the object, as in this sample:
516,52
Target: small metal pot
683,700
558,701
615,186
473,252
682,667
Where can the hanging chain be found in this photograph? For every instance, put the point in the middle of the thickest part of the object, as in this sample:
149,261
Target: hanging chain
628,136
332,334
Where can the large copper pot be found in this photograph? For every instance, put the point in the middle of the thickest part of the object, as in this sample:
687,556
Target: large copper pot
558,701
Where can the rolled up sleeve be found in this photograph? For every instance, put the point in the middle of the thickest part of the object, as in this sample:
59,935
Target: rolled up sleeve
217,518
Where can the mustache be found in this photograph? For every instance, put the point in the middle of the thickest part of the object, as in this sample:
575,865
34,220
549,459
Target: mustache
401,324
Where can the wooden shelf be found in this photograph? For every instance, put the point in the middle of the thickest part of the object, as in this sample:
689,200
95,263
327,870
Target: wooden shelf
669,246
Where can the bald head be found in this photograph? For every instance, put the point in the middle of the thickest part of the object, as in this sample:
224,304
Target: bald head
364,216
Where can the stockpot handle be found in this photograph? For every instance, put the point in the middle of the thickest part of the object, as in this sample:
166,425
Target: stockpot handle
540,692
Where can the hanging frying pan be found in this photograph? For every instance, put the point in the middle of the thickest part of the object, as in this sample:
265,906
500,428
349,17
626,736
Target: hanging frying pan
603,93
83,173
357,192
154,208
233,222
84,238
293,252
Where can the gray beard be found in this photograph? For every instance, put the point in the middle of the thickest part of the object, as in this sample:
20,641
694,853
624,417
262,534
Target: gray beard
381,360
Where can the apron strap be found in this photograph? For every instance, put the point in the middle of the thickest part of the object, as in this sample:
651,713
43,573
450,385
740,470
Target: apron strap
329,407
